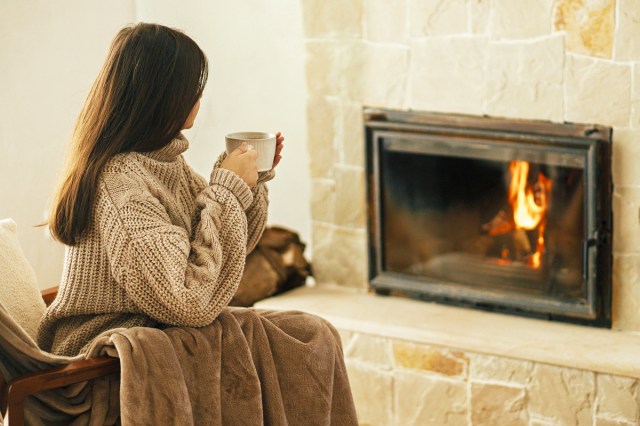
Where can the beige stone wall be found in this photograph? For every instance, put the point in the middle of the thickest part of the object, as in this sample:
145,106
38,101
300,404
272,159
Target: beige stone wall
558,60
401,383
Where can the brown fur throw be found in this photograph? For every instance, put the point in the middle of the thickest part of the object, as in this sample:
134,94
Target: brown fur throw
248,367
277,264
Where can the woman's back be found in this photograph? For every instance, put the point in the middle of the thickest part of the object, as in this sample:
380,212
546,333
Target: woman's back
136,267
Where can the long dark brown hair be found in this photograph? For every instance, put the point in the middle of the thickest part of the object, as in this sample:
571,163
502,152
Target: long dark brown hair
152,78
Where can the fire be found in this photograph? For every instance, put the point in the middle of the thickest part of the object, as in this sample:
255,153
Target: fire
529,204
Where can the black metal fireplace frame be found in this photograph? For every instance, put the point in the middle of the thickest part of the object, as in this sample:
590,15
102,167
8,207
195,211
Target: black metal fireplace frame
593,140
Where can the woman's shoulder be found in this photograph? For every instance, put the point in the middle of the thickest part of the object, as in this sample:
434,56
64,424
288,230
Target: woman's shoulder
119,163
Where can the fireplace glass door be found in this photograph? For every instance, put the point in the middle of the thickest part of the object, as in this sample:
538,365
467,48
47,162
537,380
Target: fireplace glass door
500,223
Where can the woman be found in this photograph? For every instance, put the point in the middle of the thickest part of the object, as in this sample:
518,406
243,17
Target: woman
152,245
150,242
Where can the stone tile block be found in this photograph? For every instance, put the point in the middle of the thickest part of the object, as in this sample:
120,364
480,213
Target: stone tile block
352,139
447,74
635,97
322,241
599,421
493,404
429,359
332,18
525,80
497,369
370,349
478,16
335,68
626,292
339,255
562,395
320,64
321,136
542,422
351,248
350,67
372,390
589,25
323,200
429,401
625,154
626,213
385,76
627,45
386,21
350,197
617,398
597,91
436,17
520,19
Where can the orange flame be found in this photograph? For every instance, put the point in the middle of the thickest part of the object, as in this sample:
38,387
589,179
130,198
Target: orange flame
529,204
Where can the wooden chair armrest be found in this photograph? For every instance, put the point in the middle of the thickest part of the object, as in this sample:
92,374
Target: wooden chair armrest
18,389
49,294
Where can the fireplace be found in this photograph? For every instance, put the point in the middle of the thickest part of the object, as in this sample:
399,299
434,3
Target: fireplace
504,215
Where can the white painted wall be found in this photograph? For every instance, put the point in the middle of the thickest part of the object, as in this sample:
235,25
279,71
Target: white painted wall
50,53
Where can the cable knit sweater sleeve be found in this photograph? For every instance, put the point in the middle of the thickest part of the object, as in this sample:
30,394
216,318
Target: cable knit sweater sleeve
171,277
257,210
257,215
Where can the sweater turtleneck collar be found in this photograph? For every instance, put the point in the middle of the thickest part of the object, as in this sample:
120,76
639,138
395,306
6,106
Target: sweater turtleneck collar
170,151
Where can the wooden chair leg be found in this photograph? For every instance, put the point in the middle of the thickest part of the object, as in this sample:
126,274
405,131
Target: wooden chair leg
3,394
15,414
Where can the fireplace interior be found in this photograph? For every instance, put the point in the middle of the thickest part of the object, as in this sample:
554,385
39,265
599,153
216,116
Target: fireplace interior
503,215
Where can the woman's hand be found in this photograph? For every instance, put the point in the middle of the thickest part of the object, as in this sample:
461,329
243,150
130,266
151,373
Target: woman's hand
277,157
242,162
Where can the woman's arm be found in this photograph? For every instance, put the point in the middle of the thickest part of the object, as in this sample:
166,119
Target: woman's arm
257,212
171,277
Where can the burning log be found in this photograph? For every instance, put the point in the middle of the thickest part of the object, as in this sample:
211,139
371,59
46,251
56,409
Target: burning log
521,243
526,211
501,223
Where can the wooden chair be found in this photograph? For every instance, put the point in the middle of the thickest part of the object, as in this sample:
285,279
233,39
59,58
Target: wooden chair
14,392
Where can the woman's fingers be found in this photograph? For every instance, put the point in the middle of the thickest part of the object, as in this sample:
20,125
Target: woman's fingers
244,147
242,161
277,157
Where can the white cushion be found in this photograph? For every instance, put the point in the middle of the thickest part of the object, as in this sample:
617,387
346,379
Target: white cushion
18,284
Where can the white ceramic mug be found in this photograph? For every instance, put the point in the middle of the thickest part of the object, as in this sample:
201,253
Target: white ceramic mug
264,143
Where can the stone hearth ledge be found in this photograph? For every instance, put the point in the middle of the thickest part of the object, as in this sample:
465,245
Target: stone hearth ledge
586,348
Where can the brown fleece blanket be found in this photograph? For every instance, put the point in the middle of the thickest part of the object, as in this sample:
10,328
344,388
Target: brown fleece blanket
247,368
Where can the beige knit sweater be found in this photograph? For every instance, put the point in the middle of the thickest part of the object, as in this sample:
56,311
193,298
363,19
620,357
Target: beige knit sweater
163,248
